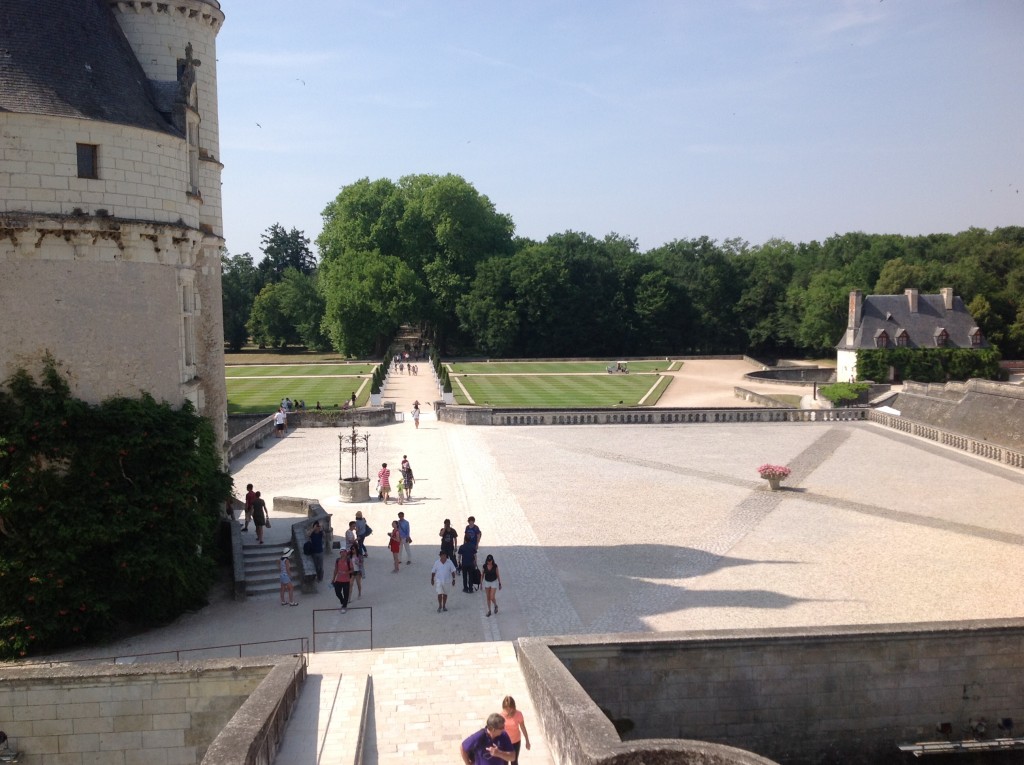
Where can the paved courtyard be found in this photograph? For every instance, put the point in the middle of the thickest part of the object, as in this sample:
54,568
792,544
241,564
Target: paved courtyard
605,529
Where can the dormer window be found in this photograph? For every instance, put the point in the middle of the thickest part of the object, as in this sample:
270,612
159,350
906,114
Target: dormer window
941,337
902,338
881,339
977,338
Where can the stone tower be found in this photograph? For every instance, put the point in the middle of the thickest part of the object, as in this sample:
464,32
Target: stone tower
110,197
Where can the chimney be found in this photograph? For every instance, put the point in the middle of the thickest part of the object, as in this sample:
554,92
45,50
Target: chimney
853,321
911,299
947,298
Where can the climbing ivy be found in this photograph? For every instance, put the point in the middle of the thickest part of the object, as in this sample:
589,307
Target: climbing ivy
107,513
928,364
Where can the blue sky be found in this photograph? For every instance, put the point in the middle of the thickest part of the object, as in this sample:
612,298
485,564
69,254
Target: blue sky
655,120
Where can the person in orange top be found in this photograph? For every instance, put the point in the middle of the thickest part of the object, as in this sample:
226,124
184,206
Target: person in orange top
515,727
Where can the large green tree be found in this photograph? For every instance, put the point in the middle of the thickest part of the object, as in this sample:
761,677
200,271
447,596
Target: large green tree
283,250
438,227
240,283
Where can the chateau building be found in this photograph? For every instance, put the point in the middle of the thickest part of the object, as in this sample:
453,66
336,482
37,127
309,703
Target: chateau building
910,320
110,206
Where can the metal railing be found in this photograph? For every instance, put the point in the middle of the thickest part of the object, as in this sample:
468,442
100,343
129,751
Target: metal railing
177,653
346,631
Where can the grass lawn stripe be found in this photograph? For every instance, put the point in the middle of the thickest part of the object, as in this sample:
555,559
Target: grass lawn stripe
263,395
651,397
556,391
297,370
556,367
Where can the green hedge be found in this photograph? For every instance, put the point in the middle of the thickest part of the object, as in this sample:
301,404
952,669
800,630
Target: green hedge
107,513
928,364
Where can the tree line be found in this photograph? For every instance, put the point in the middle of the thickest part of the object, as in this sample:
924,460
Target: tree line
433,251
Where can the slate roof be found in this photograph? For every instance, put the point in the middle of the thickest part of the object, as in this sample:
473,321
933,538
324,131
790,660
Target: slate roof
69,58
891,313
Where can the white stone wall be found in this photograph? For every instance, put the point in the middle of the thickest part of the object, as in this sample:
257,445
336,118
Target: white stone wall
158,34
846,366
142,173
113,325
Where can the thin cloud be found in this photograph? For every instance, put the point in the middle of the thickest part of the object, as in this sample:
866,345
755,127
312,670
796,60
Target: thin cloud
277,59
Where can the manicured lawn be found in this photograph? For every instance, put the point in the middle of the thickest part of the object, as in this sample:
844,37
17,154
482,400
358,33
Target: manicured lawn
298,370
259,396
556,390
553,367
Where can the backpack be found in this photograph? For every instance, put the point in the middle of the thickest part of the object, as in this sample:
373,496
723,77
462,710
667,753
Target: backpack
307,548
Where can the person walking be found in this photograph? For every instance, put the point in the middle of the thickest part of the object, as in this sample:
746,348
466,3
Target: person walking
491,582
384,482
260,516
250,495
358,570
449,539
439,575
315,534
395,545
400,488
351,534
407,475
342,580
416,416
467,565
280,422
406,532
489,745
515,726
285,571
363,530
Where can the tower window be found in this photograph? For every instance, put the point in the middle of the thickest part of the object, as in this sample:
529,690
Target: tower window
88,160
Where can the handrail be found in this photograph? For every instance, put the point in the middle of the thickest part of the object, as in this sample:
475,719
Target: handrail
303,642
345,631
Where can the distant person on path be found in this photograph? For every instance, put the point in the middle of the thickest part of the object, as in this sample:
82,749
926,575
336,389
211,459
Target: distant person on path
342,580
250,495
515,726
384,482
449,539
286,577
315,533
439,575
491,582
416,415
353,399
358,570
395,545
363,530
405,531
407,475
351,534
260,517
400,488
488,746
280,422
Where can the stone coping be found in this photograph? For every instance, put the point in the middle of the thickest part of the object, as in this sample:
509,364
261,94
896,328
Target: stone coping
580,733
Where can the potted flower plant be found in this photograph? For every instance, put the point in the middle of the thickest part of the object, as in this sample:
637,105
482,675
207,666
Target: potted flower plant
774,474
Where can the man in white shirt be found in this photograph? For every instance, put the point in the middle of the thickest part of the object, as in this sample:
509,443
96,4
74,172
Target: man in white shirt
439,575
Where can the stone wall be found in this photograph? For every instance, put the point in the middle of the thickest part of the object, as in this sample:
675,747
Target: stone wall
981,409
843,694
147,713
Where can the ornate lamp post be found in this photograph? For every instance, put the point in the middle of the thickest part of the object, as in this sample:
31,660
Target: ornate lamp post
353,488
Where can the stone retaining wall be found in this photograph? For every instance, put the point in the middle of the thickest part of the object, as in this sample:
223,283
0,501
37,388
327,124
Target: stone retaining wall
474,415
980,409
840,694
216,711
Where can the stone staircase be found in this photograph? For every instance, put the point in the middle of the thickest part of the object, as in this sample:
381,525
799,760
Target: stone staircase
261,568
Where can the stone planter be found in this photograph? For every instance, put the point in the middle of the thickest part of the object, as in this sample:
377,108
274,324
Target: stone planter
774,483
375,399
354,489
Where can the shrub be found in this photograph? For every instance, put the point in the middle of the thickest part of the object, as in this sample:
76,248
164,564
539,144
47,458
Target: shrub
843,393
107,513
